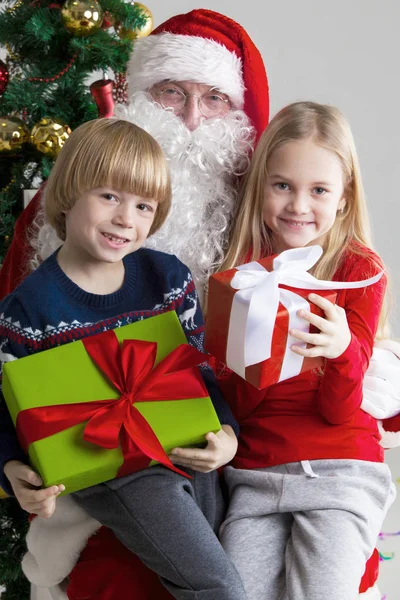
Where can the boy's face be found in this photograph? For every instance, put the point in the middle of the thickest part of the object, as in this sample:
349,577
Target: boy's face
105,224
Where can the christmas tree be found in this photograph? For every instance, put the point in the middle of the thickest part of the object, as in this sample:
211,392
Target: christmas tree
52,49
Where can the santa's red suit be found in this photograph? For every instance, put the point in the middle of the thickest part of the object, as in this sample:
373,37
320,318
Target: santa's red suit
204,47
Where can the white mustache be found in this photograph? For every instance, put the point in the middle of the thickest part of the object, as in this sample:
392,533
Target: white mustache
217,143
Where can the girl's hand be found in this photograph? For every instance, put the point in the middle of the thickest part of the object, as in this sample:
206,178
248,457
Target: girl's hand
25,483
334,336
220,449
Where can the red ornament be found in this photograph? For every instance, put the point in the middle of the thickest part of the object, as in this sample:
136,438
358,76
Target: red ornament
108,20
102,92
4,75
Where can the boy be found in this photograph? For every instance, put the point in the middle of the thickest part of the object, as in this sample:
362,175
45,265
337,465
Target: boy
108,191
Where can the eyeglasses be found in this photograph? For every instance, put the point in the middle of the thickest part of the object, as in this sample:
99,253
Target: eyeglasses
211,104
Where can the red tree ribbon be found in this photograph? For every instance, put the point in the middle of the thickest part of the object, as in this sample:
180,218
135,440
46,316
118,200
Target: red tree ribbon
130,368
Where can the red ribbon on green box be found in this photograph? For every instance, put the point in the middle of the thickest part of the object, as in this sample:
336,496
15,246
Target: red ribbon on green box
130,369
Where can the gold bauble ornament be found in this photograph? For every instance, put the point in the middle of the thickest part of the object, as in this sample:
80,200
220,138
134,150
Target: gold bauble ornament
13,135
49,136
2,492
82,17
133,34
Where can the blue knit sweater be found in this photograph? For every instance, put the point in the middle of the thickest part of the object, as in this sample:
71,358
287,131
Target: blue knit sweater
48,310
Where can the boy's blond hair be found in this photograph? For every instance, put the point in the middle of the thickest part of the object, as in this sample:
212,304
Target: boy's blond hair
107,153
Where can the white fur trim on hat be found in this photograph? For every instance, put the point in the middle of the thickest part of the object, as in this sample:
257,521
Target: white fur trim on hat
168,56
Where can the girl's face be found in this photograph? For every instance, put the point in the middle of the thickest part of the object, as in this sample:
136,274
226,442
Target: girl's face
305,189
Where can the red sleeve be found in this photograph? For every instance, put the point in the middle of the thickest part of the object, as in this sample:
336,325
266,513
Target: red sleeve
15,265
392,424
340,393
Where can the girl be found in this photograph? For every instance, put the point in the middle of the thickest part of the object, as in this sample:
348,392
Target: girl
308,488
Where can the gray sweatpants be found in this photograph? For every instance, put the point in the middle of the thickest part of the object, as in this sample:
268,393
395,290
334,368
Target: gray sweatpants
170,521
304,530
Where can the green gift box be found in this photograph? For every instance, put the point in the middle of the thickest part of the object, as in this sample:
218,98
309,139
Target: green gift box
67,375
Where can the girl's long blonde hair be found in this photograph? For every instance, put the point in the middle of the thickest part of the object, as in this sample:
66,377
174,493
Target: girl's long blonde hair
251,239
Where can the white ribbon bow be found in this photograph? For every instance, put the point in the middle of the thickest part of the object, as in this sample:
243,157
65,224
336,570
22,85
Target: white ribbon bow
255,307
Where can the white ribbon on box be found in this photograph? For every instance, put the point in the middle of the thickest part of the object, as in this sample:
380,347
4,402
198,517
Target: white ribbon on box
255,306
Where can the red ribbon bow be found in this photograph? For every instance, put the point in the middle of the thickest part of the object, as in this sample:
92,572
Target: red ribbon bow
130,369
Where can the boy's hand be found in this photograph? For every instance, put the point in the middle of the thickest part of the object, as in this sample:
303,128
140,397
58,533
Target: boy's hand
334,335
25,483
221,448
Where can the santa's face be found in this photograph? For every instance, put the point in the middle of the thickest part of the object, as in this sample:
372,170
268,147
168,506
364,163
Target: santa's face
191,102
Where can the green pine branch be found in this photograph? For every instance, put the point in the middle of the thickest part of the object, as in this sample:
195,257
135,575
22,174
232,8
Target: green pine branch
14,526
42,48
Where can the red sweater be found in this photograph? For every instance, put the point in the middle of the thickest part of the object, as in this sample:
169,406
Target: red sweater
314,415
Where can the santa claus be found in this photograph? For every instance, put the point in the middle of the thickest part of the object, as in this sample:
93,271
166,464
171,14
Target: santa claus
198,85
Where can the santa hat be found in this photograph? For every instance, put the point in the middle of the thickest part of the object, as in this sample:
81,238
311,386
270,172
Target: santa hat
205,47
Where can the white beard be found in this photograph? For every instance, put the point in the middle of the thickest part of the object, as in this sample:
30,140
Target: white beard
205,165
